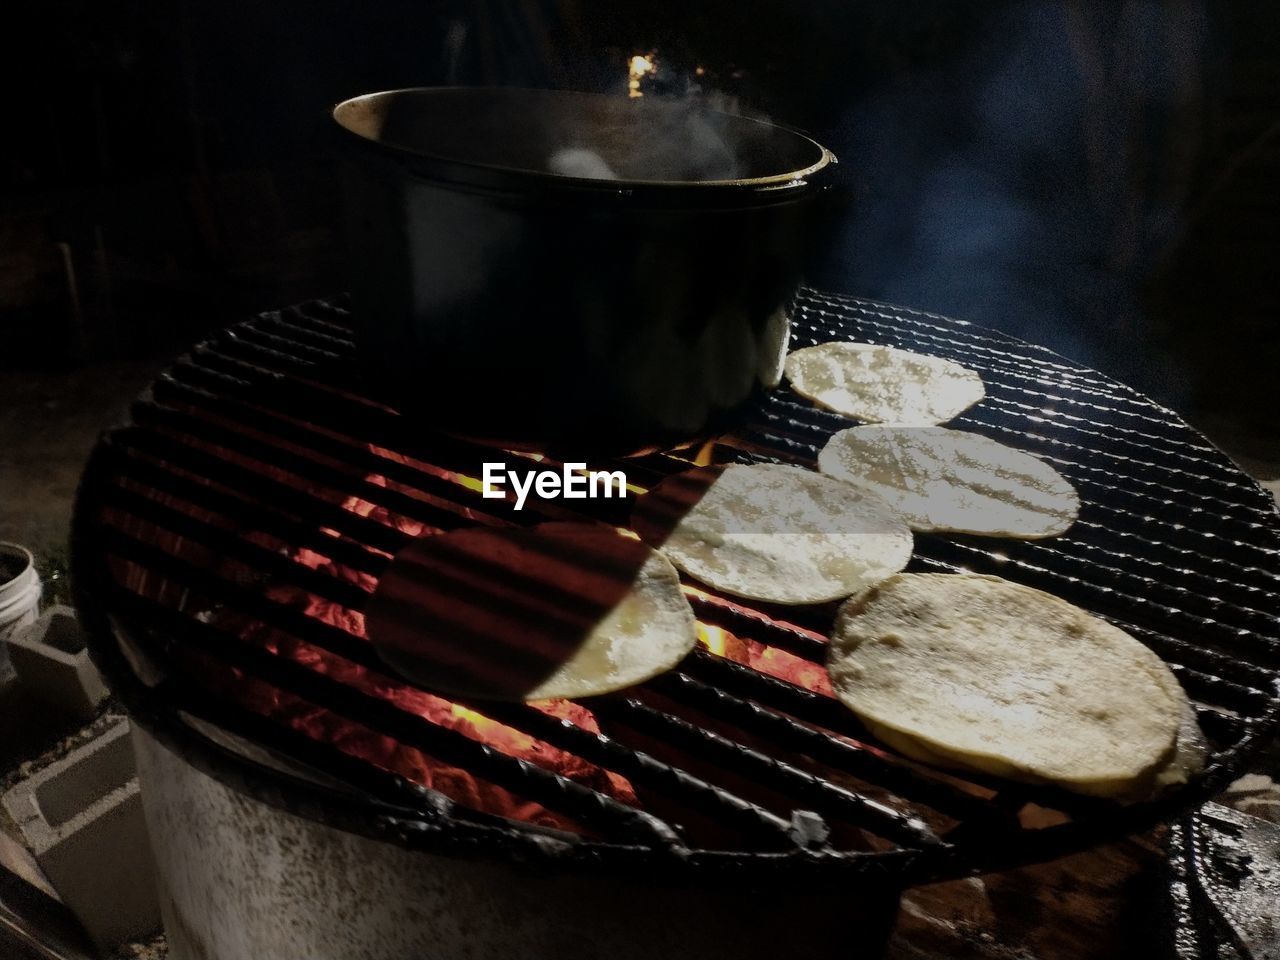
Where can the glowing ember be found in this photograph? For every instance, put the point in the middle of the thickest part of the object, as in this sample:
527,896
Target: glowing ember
705,455
388,753
458,784
713,638
352,736
471,483
477,721
770,660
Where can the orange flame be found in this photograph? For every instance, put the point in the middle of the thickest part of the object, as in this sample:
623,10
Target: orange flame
358,740
770,660
705,455
639,66
713,638
353,737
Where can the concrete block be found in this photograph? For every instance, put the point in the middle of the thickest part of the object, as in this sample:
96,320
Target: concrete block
17,859
51,660
82,818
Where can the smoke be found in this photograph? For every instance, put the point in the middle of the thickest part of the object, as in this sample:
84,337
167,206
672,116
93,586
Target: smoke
1034,183
679,141
580,162
455,43
675,132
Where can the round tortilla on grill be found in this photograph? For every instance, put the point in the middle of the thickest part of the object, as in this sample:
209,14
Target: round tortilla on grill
951,480
773,532
975,672
883,384
561,610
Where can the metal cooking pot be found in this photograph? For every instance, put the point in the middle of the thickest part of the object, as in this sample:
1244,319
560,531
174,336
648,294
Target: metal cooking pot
534,266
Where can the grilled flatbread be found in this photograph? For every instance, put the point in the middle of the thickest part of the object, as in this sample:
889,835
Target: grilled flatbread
951,480
883,384
975,672
561,610
778,533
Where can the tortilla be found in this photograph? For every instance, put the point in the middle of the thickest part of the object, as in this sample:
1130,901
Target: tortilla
778,533
561,610
950,480
883,384
975,672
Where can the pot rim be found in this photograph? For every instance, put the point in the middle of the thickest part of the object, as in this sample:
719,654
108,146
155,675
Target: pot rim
786,181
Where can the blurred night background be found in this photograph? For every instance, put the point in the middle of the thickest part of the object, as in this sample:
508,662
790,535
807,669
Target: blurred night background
1101,177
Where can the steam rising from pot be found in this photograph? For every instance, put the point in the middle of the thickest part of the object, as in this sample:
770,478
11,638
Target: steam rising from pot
580,162
685,145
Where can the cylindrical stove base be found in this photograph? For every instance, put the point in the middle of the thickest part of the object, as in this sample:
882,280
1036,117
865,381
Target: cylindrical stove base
239,878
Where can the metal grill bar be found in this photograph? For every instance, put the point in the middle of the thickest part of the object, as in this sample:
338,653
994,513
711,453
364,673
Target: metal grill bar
228,545
1214,475
1151,483
805,786
741,622
826,712
1207,687
839,754
929,555
330,588
268,429
253,492
329,315
521,777
307,469
980,350
642,768
221,375
322,760
1220,523
1100,577
289,327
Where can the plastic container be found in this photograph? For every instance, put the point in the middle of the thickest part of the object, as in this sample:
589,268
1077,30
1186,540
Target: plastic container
19,593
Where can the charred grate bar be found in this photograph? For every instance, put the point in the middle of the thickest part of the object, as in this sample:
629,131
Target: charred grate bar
228,537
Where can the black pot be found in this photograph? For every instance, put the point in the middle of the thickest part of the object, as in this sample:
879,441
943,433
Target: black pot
536,266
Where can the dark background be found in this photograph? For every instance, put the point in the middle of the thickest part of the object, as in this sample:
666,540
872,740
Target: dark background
1100,177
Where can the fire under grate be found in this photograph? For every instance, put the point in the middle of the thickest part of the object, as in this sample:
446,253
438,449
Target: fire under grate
229,535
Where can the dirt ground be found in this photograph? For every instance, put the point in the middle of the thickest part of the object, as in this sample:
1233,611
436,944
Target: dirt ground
49,420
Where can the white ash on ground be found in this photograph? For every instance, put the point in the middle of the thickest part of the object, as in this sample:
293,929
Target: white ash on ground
157,948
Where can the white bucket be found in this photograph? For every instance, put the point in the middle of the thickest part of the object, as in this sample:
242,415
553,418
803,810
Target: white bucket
19,592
